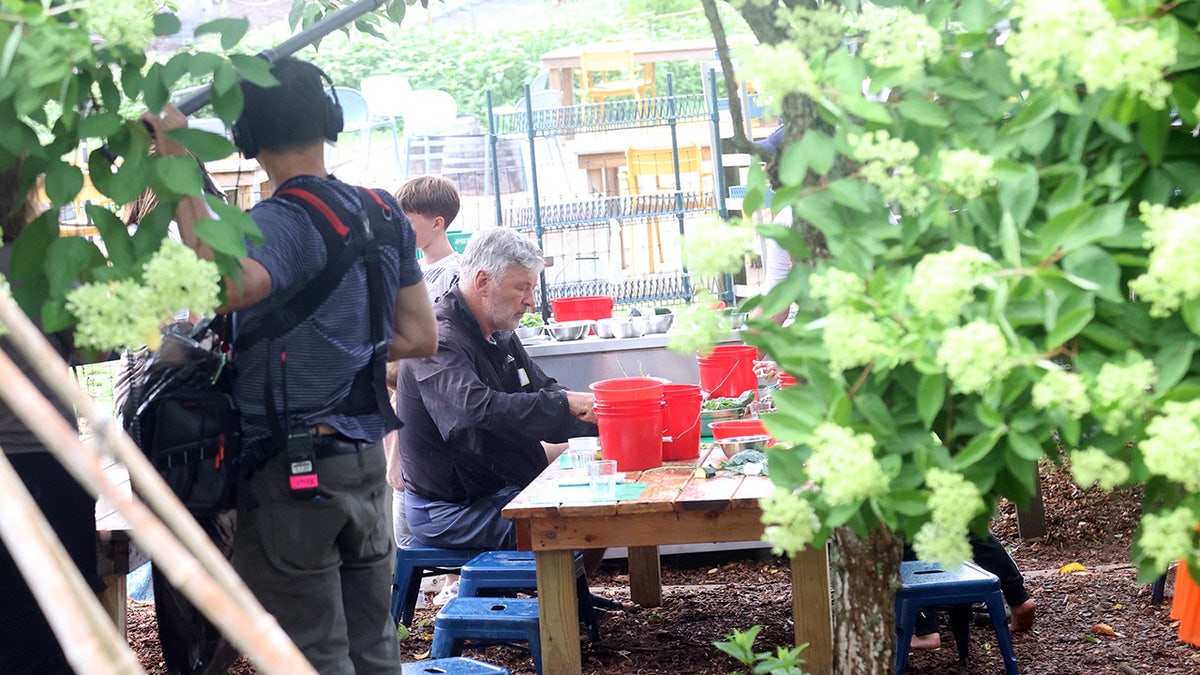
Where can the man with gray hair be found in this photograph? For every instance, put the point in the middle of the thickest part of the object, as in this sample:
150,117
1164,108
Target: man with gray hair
475,413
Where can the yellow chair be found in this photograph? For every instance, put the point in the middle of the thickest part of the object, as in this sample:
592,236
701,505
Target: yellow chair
657,167
605,73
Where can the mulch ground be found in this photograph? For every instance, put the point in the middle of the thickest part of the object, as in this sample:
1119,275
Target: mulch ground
707,596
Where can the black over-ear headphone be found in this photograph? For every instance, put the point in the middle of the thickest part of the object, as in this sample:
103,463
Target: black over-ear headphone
244,139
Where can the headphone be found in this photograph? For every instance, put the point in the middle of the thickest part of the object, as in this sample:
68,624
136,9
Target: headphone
244,139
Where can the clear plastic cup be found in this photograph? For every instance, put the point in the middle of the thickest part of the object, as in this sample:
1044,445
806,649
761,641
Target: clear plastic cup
602,477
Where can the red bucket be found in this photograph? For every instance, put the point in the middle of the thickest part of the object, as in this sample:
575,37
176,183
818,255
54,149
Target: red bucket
683,427
632,433
728,371
735,428
582,308
628,390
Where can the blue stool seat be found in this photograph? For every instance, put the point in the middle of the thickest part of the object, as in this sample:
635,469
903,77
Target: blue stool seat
517,570
414,563
503,619
925,584
455,665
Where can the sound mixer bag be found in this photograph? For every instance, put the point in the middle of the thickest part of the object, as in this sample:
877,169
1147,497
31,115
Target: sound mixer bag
180,412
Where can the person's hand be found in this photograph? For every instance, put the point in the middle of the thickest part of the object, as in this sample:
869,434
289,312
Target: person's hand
767,370
170,118
582,405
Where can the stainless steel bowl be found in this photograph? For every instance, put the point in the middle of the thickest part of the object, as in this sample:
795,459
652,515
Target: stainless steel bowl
629,327
707,417
732,446
659,323
529,332
735,320
568,330
604,328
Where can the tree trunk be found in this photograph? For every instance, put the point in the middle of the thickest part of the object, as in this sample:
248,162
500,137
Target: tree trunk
864,574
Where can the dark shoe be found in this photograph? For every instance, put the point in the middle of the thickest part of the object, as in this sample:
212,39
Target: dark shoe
1022,616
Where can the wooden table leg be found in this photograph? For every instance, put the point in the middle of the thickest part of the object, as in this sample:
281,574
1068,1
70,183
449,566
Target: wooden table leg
113,600
558,612
645,576
810,609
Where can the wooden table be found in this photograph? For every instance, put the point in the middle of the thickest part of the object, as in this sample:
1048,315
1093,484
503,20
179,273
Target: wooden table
674,508
241,179
562,62
116,554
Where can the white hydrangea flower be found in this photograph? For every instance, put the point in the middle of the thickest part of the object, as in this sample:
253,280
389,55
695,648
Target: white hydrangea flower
1060,40
715,246
127,22
1129,58
1120,392
953,500
843,465
182,280
897,38
1051,34
1094,466
1167,537
948,546
973,356
854,339
115,314
944,282
697,327
1062,390
1173,237
887,163
791,522
780,69
1172,444
836,287
966,173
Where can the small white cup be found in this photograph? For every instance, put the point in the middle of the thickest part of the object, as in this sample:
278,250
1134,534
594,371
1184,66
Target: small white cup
602,476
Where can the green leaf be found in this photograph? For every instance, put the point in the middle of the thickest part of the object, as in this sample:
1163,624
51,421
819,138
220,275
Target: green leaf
166,24
231,30
819,150
100,125
1025,446
1152,129
1191,315
907,502
72,256
222,237
977,449
793,165
1173,359
63,182
1106,222
206,146
1098,267
154,90
1018,191
116,237
852,194
924,112
253,69
818,210
931,394
866,110
180,175
1068,325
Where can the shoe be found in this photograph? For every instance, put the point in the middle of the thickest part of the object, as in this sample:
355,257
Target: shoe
446,595
1022,616
608,604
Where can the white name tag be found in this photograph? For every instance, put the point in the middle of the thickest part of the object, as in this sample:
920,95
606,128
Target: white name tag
523,376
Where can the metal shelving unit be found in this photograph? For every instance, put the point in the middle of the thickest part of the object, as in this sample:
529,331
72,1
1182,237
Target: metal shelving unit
591,215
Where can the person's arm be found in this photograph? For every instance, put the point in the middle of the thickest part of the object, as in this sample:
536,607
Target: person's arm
414,329
254,283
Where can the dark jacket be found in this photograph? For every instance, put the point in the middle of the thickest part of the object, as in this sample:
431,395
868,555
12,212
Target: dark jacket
471,427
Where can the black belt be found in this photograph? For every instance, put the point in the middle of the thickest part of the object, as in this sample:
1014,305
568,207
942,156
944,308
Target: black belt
337,444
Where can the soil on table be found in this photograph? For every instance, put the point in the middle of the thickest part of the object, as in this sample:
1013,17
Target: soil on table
706,596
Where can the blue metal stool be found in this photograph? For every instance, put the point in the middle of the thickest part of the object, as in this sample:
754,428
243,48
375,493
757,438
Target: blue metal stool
517,570
924,584
503,619
455,665
414,563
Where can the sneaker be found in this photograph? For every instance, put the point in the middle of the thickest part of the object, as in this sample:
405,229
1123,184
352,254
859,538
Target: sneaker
446,595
